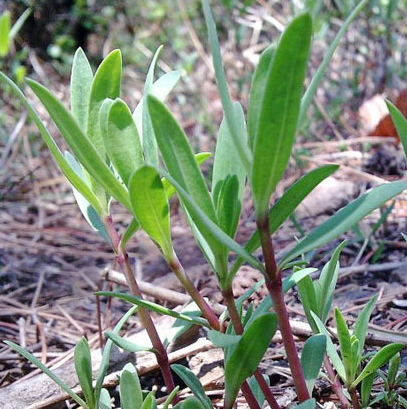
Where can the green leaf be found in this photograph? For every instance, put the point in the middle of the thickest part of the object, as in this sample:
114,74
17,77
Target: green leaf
327,283
148,137
70,174
221,340
131,396
81,146
316,80
227,162
366,389
122,141
160,89
47,372
170,397
361,324
311,359
87,210
280,107
345,218
308,404
344,344
4,33
257,392
107,350
248,353
150,206
308,299
257,90
105,400
402,401
81,83
83,368
330,348
193,383
400,122
394,365
127,345
230,114
154,307
192,403
150,401
19,23
380,358
105,84
284,206
200,218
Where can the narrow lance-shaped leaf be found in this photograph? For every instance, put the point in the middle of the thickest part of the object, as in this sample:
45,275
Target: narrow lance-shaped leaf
150,206
316,80
230,115
131,229
75,180
81,83
122,140
245,358
309,300
4,33
19,23
83,368
345,344
193,383
105,400
126,344
280,106
81,146
47,372
154,307
284,206
311,359
361,324
345,218
379,359
106,84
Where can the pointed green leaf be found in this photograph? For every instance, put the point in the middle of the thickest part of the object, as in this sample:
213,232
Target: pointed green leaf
131,229
107,350
366,389
257,392
83,368
361,324
19,23
330,348
150,402
193,383
149,305
400,123
308,299
248,353
230,114
81,146
170,397
105,84
394,365
316,80
4,33
379,359
47,372
280,106
284,206
311,359
150,206
125,344
345,218
122,141
81,83
345,344
131,396
70,174
259,83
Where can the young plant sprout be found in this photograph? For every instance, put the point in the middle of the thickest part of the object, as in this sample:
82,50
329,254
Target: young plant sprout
141,158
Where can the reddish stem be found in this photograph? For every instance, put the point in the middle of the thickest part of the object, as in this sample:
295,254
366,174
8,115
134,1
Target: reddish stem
336,384
354,397
274,286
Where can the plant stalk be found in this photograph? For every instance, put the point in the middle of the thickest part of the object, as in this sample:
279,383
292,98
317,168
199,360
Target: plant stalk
354,397
335,383
144,315
274,286
238,327
206,310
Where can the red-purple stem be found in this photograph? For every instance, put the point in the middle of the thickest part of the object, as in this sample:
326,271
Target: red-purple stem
335,383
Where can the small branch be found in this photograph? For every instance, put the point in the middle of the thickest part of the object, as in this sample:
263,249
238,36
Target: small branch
355,399
335,383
